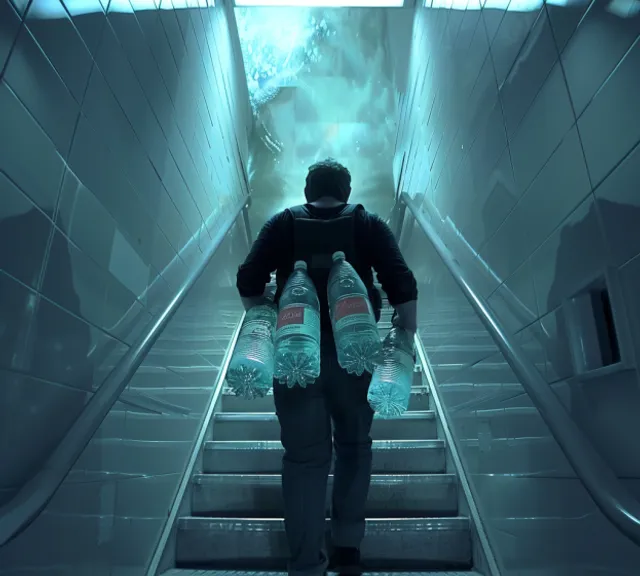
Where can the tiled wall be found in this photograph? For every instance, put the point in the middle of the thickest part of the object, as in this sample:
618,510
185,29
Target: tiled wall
521,127
122,128
107,516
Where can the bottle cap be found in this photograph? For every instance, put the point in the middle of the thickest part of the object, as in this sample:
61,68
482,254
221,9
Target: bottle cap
300,265
338,256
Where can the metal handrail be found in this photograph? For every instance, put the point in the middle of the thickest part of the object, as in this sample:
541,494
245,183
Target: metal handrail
33,497
607,491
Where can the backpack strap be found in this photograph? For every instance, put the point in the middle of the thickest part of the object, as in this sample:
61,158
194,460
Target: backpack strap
316,239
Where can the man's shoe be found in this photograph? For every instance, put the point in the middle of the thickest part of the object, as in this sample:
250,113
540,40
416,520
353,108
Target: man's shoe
346,561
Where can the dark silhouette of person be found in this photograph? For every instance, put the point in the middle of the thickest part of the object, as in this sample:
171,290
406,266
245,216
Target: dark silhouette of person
313,232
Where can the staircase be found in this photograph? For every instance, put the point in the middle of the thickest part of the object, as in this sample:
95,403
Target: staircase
236,501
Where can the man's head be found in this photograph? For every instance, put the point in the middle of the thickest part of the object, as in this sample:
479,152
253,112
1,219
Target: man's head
328,178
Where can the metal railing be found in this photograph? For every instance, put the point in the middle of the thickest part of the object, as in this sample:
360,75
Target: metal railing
33,497
607,491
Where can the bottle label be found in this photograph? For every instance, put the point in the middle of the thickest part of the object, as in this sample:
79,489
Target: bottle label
350,310
299,320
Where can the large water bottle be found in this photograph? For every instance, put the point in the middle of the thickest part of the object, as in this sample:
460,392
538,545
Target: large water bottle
298,331
250,373
390,389
354,324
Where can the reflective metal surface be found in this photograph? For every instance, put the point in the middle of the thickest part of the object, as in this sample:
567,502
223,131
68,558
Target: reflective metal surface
236,505
521,144
391,544
186,572
194,457
264,426
36,494
119,162
260,495
265,457
615,501
230,403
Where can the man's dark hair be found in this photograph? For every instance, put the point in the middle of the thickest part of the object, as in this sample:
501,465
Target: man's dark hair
328,178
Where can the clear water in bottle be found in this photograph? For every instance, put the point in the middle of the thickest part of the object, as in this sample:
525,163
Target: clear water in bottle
390,389
250,373
354,325
298,331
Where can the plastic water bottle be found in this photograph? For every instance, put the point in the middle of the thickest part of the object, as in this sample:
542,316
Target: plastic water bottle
354,324
390,389
250,372
298,331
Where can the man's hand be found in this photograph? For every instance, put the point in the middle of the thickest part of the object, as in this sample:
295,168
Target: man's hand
406,316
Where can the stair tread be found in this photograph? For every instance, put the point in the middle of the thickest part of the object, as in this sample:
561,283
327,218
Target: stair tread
419,400
390,543
227,391
418,424
264,416
374,525
189,572
273,478
253,445
260,495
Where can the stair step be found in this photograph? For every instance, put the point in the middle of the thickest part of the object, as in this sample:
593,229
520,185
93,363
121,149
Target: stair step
188,572
232,403
400,457
260,495
484,372
459,354
415,425
399,543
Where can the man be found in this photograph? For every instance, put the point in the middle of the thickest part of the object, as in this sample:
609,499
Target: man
313,232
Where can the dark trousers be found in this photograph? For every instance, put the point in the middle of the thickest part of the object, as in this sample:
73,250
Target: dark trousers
306,416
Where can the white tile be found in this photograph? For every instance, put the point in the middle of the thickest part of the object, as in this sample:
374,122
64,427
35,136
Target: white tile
490,141
135,540
630,280
71,541
61,43
558,354
480,102
495,195
596,48
27,147
9,27
533,343
618,200
85,220
562,184
565,19
509,246
147,497
515,301
573,256
542,129
598,403
610,126
528,74
36,416
513,31
29,73
492,17
24,235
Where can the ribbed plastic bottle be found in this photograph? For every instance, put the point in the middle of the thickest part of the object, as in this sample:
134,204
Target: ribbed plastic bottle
390,388
250,373
298,331
354,325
